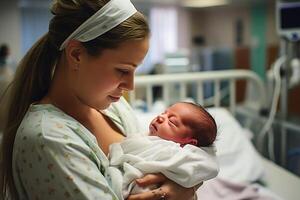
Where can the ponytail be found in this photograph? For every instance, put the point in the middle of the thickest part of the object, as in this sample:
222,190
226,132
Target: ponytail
31,84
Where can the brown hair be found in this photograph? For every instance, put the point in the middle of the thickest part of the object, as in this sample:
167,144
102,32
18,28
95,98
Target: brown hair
202,124
34,73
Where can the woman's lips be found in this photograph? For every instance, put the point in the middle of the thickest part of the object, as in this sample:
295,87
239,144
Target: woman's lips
114,98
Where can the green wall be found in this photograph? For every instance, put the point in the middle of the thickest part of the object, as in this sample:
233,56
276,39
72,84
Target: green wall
258,36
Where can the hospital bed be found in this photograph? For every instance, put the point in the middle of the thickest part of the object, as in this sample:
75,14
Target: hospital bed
239,161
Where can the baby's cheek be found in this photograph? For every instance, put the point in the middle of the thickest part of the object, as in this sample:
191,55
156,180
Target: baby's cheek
164,130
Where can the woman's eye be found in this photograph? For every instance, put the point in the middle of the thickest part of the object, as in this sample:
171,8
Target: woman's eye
123,71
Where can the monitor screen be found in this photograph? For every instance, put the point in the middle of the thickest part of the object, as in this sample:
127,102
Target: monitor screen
290,16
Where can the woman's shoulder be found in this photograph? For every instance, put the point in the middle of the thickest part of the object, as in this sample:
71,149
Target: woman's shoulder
40,116
46,122
47,129
54,147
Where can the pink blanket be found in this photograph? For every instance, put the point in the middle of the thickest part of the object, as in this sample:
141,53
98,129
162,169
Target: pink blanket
217,188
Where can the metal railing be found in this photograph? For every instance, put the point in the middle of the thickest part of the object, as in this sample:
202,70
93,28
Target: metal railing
199,78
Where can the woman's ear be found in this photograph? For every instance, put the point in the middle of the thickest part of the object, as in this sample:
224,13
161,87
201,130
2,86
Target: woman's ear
74,53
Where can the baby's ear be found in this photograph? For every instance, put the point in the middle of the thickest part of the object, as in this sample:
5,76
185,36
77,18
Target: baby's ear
193,142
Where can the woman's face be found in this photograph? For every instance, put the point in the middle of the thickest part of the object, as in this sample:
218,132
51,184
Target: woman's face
102,80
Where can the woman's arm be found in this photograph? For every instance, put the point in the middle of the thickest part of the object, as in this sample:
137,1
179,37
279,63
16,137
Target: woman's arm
167,189
59,162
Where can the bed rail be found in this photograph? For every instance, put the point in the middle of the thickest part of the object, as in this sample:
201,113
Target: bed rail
199,78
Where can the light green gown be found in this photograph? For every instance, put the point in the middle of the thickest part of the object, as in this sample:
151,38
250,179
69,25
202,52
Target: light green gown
55,157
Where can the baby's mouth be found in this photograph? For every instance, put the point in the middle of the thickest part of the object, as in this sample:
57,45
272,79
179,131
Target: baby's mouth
153,128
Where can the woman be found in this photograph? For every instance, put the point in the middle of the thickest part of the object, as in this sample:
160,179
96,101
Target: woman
61,119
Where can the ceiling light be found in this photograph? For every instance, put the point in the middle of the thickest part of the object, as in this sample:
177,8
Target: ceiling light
203,3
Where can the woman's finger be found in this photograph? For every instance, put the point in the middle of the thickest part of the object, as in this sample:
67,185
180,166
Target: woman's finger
197,186
151,179
157,194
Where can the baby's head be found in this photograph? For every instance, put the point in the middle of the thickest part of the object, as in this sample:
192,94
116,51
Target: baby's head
185,123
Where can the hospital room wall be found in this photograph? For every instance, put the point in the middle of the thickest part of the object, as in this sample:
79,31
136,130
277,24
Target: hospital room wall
11,27
219,28
217,25
22,23
184,29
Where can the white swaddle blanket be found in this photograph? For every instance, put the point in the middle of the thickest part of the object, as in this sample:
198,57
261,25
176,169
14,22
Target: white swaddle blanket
138,155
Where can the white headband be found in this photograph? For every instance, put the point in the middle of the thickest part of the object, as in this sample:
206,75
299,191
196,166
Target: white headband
109,16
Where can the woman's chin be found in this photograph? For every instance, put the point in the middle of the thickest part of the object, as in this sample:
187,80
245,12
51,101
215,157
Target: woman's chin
104,106
101,105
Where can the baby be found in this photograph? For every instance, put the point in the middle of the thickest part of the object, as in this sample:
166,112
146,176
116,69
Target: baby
185,123
179,145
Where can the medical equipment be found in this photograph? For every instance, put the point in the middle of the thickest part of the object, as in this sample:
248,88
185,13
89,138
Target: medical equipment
176,62
267,128
288,24
288,28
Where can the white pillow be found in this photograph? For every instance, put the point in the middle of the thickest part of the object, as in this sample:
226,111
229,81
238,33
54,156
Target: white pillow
238,159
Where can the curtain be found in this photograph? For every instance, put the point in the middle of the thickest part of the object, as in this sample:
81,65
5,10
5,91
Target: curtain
164,32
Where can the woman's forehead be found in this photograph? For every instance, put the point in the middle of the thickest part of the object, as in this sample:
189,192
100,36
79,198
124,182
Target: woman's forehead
129,52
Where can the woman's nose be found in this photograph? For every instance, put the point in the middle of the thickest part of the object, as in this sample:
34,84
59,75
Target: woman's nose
128,83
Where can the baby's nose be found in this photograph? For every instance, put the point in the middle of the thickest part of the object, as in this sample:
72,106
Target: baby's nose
160,119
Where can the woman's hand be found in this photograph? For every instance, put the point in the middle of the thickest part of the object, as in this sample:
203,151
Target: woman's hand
167,190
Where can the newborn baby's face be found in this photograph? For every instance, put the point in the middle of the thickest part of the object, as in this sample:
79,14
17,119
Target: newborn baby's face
169,125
